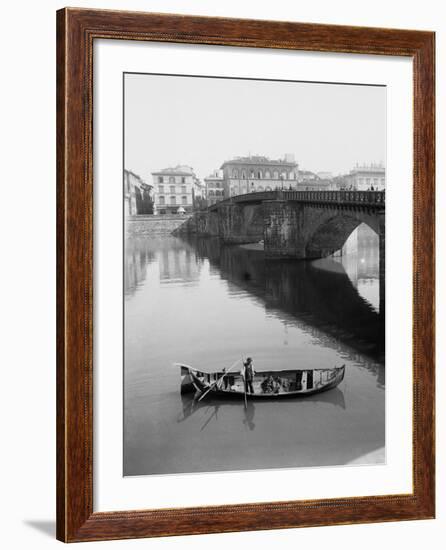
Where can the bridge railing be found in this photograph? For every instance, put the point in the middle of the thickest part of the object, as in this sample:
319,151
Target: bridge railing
371,198
351,197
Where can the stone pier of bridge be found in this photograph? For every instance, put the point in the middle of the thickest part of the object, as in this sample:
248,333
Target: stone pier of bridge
302,231
233,223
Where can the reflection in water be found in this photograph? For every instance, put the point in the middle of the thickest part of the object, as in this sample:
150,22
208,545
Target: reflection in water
318,296
206,305
177,264
210,408
249,411
136,259
360,260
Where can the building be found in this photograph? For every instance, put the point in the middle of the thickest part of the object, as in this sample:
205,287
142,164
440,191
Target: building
364,177
177,190
309,181
339,182
214,187
317,184
137,195
258,173
306,176
325,175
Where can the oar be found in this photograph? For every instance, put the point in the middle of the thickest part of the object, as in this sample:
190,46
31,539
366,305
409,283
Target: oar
217,381
244,384
209,419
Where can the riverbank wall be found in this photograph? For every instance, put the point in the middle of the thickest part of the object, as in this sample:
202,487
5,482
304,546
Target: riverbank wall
150,225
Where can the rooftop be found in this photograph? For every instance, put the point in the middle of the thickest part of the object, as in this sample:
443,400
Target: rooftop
308,174
258,159
138,177
179,170
368,168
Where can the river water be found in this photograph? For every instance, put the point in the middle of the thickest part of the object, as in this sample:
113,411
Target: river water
208,305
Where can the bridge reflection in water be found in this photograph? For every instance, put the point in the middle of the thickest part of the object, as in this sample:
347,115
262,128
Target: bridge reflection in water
206,304
324,294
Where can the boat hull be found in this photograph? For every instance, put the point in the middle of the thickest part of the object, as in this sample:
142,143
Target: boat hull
285,384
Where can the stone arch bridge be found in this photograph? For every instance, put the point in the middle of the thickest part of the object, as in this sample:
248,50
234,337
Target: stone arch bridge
293,224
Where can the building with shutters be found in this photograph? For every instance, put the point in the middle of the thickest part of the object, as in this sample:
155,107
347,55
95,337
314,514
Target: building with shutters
177,190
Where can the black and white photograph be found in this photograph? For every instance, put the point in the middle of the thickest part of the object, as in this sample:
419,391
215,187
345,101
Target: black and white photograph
254,274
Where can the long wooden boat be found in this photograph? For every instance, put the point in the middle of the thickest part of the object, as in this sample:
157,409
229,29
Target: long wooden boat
266,384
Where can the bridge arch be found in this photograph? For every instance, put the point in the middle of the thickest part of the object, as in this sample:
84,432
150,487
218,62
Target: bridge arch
329,232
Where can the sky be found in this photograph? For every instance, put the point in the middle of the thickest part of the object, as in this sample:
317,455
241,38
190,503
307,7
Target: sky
201,122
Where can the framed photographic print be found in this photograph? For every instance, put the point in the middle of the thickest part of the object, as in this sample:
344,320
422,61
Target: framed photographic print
245,275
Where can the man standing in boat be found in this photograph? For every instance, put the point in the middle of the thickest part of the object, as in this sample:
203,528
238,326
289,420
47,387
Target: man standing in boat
248,375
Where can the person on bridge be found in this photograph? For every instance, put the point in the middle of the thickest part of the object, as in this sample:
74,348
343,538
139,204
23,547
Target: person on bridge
248,374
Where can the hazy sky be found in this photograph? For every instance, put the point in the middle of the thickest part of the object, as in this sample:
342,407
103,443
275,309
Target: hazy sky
202,122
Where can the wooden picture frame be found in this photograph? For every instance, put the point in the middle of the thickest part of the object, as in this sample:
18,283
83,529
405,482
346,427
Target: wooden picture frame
77,29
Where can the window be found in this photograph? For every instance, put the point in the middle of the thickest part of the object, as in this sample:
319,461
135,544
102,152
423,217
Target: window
171,179
183,179
160,179
161,188
268,188
161,200
268,175
183,189
235,174
243,175
173,200
183,200
276,175
172,188
252,174
259,175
